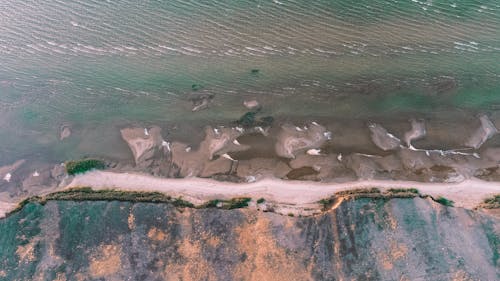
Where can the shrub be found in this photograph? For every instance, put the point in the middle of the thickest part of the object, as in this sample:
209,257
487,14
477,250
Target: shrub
358,191
82,166
261,200
237,203
326,203
444,201
403,190
491,203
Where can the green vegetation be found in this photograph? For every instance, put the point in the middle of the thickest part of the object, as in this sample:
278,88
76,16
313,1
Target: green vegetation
261,200
444,201
358,191
494,241
88,194
402,190
235,203
82,166
372,193
255,71
326,203
491,203
291,215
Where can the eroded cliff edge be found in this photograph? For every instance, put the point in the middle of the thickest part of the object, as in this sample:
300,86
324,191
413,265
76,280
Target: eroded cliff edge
363,239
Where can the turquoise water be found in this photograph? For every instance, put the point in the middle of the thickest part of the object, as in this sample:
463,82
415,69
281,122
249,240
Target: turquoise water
104,64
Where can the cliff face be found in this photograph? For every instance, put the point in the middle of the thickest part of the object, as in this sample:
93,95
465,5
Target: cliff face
365,239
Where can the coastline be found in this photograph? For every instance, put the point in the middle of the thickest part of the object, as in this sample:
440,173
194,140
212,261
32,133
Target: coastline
467,194
301,197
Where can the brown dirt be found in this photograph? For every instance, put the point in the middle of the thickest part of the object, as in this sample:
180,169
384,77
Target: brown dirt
265,260
106,261
156,234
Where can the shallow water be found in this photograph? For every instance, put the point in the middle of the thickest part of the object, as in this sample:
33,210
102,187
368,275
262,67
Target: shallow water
99,66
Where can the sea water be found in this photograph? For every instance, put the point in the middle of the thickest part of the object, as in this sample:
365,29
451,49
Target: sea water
98,66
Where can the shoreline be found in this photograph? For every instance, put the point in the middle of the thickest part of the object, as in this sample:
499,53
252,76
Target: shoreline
467,194
301,197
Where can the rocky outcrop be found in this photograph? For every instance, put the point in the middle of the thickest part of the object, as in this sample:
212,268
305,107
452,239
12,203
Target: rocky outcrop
7,170
292,140
383,139
416,132
145,144
211,157
364,239
486,130
64,131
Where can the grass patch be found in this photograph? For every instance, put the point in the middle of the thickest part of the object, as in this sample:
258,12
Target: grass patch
444,201
82,166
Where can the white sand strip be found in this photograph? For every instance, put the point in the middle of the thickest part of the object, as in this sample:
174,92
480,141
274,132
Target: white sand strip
467,194
6,207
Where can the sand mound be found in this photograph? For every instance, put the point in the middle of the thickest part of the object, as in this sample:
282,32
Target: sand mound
292,140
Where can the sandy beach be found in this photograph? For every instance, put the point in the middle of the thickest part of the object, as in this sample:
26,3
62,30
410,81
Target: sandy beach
466,194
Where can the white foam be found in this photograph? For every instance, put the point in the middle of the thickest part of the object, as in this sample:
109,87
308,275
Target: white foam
314,151
193,50
166,144
7,177
225,155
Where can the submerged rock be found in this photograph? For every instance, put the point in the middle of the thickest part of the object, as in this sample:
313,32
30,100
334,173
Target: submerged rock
292,140
201,162
201,101
219,141
247,120
383,139
58,172
251,104
416,132
144,143
483,133
65,132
